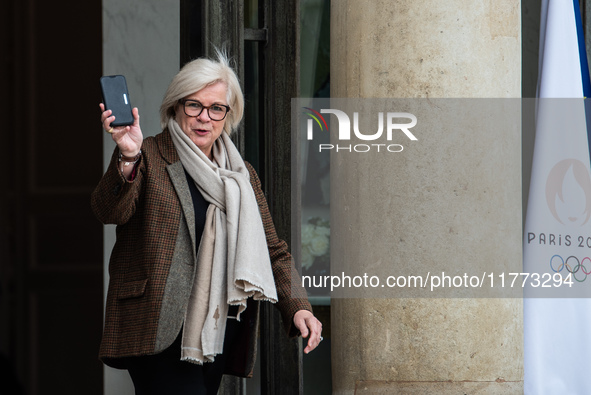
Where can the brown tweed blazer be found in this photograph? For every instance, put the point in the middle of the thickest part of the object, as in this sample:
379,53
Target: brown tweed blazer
152,263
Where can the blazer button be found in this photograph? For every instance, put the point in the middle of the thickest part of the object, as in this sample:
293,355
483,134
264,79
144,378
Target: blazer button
117,189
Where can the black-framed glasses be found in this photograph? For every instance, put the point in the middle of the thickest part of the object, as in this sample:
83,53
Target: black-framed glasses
193,108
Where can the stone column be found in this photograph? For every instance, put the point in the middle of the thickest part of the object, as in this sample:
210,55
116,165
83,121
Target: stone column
472,217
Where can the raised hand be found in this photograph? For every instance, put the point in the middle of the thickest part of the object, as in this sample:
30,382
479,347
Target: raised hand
128,138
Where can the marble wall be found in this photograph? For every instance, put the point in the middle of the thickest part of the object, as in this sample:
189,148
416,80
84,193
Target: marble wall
141,40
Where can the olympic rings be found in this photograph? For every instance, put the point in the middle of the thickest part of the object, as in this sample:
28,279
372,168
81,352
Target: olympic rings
573,270
561,265
583,267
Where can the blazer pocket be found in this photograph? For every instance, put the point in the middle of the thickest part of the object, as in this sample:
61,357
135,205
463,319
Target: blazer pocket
133,289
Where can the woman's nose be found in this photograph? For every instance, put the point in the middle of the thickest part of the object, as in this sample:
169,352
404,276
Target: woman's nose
204,116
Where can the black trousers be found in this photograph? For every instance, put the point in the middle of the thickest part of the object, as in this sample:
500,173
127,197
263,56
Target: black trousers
166,374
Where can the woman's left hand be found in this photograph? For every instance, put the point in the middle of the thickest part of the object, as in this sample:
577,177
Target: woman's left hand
308,325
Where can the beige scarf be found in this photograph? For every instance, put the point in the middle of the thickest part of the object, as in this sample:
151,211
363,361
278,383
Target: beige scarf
233,261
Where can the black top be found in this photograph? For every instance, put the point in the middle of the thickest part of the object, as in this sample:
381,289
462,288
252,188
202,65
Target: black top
200,206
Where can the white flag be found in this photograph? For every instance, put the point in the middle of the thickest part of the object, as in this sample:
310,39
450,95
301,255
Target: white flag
557,237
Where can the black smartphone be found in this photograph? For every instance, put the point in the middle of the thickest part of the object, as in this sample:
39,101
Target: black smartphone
116,99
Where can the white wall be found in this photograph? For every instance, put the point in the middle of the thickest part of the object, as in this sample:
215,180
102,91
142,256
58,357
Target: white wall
141,40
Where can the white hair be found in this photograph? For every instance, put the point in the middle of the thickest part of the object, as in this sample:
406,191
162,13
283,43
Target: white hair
197,75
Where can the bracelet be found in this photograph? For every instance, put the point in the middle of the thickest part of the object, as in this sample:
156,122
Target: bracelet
127,160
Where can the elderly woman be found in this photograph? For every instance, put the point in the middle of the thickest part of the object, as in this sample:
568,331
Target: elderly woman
196,248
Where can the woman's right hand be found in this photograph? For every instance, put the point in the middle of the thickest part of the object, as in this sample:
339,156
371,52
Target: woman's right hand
128,138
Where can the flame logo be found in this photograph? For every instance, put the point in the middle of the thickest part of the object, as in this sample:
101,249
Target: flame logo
570,182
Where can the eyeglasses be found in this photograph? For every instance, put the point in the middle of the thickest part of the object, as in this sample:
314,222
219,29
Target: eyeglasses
193,108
